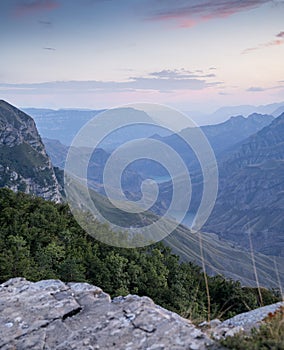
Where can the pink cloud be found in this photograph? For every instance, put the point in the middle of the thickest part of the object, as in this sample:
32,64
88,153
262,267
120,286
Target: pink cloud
190,13
275,42
31,7
187,23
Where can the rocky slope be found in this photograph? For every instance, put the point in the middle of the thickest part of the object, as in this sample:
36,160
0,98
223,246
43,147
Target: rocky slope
24,164
234,130
55,315
221,136
251,192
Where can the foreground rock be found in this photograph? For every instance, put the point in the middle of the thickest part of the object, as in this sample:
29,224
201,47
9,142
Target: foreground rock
242,323
54,315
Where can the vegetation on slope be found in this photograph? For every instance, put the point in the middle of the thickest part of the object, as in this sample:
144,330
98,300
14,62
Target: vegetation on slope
27,162
41,240
269,336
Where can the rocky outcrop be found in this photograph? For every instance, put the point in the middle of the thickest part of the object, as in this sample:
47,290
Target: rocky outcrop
54,315
242,323
24,164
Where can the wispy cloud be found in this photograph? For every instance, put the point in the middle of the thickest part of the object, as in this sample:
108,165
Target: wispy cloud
190,13
45,24
261,89
152,82
276,42
180,74
25,8
255,89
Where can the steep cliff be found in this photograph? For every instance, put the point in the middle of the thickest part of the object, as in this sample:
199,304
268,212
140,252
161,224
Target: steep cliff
24,164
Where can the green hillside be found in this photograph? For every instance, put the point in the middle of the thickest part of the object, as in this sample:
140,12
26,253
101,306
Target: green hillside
41,240
220,256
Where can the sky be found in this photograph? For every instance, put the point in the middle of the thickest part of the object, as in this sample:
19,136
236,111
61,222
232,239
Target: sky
191,55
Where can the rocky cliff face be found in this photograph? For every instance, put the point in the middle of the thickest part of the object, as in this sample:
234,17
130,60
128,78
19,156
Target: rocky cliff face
24,164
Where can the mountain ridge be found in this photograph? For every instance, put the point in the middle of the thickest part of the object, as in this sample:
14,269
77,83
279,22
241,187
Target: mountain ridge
250,201
25,166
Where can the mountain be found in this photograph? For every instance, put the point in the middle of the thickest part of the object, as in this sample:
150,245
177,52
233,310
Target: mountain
250,187
221,257
223,136
278,111
58,154
57,125
24,164
224,113
64,124
56,151
250,202
220,136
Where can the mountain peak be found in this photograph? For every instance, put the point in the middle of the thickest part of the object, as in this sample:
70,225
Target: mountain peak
260,117
24,164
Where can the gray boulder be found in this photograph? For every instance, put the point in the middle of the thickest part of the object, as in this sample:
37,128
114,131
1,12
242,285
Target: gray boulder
55,315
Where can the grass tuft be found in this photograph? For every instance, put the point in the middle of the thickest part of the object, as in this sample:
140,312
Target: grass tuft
270,335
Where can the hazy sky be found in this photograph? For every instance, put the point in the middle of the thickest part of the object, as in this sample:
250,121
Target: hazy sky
194,55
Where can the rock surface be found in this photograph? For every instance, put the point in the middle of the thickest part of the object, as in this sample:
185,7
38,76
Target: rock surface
54,315
242,323
24,164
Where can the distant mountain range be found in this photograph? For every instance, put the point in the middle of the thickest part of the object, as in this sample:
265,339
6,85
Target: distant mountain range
250,154
58,153
24,164
223,113
63,125
221,136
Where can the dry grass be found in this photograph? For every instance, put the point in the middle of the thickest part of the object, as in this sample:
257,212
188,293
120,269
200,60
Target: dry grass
269,336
